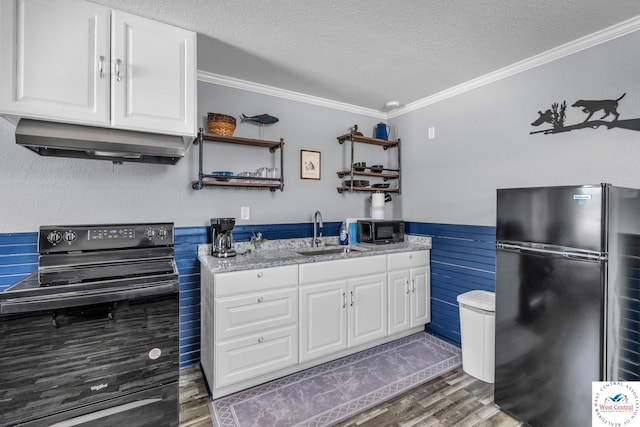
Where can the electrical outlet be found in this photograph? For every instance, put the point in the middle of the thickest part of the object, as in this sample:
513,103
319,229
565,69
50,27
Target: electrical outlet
431,133
245,212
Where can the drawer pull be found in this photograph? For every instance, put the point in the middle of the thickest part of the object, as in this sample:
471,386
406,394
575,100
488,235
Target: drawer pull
260,299
260,339
259,275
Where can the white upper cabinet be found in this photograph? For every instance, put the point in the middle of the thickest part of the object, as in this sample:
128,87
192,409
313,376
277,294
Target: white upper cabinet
51,63
153,78
78,62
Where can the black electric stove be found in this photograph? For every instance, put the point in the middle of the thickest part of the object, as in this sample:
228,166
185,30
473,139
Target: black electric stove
91,338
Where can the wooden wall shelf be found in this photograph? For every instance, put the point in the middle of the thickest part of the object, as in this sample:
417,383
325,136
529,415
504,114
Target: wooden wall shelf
209,180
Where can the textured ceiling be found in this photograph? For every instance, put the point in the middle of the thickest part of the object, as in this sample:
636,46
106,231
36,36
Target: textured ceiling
367,52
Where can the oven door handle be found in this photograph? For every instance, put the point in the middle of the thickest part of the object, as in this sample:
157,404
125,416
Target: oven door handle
32,304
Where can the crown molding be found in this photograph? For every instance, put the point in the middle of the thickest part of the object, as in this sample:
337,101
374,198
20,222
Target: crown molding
583,43
235,83
610,33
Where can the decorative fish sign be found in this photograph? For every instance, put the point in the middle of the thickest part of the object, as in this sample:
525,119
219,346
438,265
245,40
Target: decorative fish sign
263,119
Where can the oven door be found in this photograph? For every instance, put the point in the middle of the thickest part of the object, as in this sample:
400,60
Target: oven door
57,357
149,408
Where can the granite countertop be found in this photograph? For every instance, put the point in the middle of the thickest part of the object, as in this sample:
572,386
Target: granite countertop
275,253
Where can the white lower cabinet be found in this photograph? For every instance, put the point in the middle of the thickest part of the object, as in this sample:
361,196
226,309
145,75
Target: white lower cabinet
399,301
261,324
420,295
342,305
249,323
367,318
323,319
409,290
341,314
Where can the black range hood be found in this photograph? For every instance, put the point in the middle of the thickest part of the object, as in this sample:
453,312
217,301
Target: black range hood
88,142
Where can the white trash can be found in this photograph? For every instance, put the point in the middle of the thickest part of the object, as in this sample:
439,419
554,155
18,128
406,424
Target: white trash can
477,333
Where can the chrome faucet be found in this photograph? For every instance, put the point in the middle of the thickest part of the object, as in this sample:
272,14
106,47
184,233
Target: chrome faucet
317,223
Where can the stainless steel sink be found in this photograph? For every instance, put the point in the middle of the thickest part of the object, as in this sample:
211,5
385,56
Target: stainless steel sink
324,251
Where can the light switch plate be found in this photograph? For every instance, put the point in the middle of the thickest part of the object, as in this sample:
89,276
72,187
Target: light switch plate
245,212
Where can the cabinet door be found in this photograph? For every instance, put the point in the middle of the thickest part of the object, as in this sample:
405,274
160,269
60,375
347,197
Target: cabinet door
367,309
52,56
420,296
154,76
399,312
323,319
253,355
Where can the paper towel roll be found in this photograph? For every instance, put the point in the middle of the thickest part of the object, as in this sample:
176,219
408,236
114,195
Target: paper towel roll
377,206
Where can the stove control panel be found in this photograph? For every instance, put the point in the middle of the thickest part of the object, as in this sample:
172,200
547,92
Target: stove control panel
111,233
64,238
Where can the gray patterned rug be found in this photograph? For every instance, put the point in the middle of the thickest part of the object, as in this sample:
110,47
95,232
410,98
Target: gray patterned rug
334,391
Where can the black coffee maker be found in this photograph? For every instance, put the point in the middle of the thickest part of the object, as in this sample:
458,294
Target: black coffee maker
222,242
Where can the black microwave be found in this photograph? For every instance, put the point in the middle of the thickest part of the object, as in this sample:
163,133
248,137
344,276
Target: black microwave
380,231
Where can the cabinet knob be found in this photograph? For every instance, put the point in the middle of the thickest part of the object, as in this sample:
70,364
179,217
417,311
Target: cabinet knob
260,339
260,299
259,275
410,256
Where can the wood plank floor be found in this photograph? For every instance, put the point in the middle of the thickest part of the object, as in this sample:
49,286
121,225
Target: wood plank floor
453,399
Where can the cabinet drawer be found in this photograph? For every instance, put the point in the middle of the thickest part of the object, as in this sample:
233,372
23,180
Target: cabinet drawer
244,314
246,358
341,269
405,260
257,280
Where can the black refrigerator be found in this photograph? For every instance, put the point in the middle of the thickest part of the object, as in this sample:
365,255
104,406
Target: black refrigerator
567,274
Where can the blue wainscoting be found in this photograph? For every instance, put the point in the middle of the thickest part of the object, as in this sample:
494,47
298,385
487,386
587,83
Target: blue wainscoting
462,259
186,240
18,257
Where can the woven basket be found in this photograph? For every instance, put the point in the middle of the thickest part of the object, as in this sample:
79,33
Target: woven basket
221,124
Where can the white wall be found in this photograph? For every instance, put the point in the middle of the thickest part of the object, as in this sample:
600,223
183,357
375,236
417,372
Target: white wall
483,142
37,190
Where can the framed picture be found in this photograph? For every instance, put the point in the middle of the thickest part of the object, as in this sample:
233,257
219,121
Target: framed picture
309,164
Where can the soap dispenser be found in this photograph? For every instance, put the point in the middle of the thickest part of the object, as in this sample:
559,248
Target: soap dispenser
344,236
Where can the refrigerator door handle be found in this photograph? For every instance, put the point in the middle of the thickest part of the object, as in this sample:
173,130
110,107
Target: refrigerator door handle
577,255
